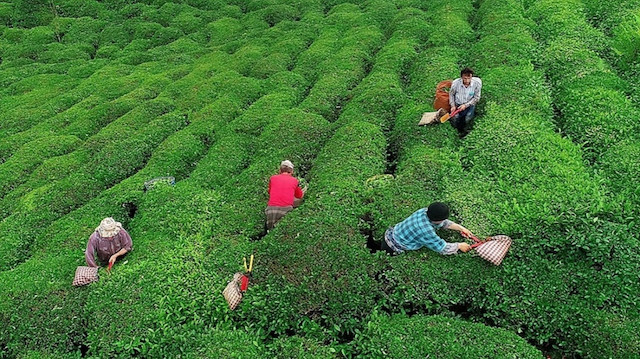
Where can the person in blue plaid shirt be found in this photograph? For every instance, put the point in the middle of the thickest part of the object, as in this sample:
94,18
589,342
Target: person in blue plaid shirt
419,230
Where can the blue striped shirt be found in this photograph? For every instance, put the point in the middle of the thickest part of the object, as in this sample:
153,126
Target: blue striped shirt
418,231
460,95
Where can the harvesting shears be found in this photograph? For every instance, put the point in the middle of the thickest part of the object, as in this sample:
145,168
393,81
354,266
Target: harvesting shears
477,241
438,116
244,281
447,116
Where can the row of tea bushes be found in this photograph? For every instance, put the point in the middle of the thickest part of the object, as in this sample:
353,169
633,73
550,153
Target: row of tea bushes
155,237
57,255
23,104
107,163
425,155
207,249
103,164
30,156
524,180
588,96
428,160
309,246
620,22
81,121
607,17
419,287
439,337
66,332
225,80
86,103
317,266
342,71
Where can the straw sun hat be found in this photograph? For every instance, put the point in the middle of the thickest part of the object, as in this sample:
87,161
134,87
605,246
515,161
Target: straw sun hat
109,227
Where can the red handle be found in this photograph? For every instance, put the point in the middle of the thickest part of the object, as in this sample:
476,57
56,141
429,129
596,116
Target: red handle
110,265
474,238
454,112
471,236
244,284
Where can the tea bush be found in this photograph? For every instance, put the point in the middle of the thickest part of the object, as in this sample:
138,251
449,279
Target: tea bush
282,78
67,230
587,97
625,44
344,70
519,118
216,94
321,49
16,169
439,337
310,260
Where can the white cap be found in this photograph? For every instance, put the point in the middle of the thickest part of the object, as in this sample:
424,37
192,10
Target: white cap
286,163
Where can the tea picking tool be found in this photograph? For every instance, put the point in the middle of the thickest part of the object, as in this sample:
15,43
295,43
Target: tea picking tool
447,116
244,282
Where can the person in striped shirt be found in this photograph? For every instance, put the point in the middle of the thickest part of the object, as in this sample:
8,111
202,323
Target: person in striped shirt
419,230
464,95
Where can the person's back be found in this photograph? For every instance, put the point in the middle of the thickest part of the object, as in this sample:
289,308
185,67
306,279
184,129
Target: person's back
283,188
283,191
419,230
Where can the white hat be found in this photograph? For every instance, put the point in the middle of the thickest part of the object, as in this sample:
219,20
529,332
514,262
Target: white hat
109,227
286,163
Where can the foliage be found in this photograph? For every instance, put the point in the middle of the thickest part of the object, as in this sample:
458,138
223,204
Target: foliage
438,337
99,97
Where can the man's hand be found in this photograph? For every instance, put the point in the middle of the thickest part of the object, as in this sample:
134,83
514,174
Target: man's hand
465,231
304,190
113,259
465,247
453,108
462,107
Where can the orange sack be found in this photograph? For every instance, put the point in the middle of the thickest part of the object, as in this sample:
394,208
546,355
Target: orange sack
442,96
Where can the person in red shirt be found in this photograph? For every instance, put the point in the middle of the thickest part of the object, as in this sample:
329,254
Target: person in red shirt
284,191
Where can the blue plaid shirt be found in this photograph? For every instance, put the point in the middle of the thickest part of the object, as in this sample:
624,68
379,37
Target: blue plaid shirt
418,231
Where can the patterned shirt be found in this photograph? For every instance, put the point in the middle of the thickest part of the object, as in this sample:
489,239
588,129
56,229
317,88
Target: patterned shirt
106,247
461,95
418,231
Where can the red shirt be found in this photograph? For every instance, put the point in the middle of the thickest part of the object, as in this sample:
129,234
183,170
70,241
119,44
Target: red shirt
282,189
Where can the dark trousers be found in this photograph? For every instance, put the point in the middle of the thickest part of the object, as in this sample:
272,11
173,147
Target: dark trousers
463,120
385,247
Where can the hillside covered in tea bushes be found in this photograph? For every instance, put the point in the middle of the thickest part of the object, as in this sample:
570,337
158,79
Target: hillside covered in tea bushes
99,97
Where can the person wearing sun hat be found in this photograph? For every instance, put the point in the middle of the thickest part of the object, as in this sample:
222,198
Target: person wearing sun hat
419,230
109,241
283,190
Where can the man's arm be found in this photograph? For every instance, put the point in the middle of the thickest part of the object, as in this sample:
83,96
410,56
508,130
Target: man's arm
456,227
452,248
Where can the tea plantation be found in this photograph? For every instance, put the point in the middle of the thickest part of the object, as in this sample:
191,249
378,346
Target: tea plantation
99,97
